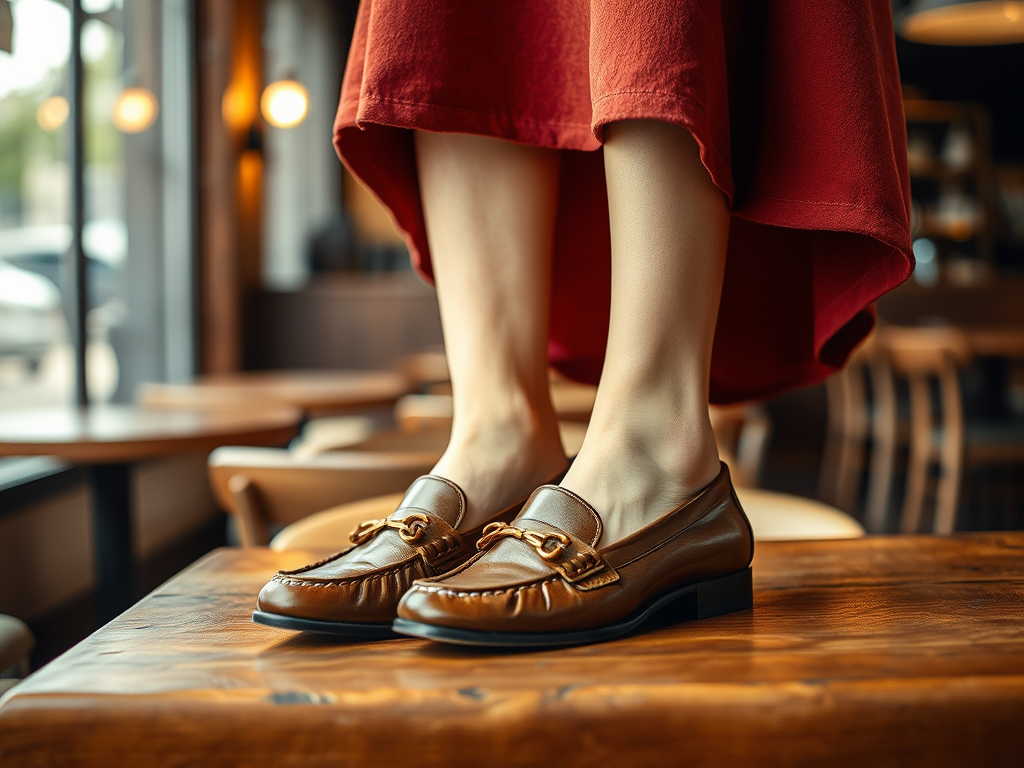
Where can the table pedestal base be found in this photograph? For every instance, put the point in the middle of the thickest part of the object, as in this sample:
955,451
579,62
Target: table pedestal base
112,535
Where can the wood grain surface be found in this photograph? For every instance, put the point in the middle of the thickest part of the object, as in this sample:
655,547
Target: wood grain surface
868,652
127,433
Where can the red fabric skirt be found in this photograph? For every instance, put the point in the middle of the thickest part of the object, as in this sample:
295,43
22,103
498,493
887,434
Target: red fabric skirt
796,107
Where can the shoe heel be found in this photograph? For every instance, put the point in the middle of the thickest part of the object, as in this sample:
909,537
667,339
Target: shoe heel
725,595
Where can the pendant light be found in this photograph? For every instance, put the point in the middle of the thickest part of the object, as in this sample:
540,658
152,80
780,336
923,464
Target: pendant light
963,22
135,110
285,103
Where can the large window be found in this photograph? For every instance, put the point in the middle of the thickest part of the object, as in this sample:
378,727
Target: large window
137,179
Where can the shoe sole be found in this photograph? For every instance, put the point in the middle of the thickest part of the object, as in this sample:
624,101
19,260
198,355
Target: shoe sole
335,628
702,600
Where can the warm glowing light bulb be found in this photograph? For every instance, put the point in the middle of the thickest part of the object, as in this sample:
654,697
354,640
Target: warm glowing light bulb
284,103
135,110
52,113
984,22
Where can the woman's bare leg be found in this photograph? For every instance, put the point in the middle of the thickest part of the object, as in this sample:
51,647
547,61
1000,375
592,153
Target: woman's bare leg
650,445
489,207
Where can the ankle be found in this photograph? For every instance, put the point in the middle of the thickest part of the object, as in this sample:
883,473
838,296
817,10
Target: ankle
681,454
633,476
665,423
508,413
500,458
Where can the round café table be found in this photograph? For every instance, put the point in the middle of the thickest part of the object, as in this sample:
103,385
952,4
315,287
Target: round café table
109,439
315,392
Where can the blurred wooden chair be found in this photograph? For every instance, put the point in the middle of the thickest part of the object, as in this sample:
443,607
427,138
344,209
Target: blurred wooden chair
433,442
424,413
862,432
846,433
327,433
930,359
773,517
330,528
783,517
359,433
866,416
425,369
923,356
742,433
265,487
16,643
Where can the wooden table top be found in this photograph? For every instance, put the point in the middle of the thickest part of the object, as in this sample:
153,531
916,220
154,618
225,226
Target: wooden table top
124,433
876,651
312,391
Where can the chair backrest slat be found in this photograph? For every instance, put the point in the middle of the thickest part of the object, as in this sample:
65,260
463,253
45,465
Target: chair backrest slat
927,358
277,488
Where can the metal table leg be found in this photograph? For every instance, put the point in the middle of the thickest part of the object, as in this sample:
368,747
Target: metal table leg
112,537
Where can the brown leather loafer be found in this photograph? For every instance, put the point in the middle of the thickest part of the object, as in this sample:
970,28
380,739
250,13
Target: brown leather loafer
541,582
355,593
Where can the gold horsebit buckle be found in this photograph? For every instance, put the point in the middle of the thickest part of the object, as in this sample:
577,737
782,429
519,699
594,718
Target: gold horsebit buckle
548,545
410,528
584,568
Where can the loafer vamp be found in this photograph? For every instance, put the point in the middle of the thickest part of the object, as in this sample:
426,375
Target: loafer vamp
364,583
507,588
527,583
382,553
